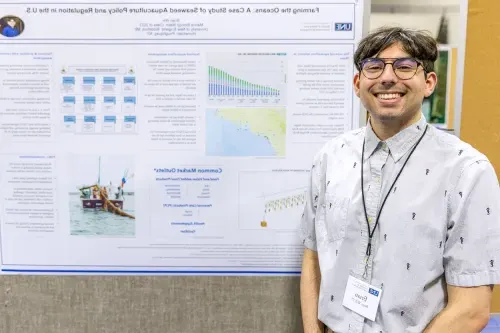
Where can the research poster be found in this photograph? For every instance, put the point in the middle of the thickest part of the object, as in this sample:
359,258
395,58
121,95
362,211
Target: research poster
166,138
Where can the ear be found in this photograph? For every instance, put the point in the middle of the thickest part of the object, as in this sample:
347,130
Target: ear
356,83
430,83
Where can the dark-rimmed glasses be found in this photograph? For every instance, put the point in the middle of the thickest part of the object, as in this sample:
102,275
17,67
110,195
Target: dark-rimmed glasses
404,68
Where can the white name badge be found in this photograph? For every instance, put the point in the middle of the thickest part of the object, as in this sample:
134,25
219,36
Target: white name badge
362,298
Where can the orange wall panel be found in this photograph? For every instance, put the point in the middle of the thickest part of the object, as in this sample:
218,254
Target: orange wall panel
480,123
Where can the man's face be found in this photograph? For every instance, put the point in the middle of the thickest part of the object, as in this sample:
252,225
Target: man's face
388,97
11,22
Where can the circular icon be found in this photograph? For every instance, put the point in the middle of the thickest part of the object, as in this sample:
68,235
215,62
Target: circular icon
11,26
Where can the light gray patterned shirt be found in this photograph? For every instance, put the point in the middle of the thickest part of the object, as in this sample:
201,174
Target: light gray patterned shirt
440,224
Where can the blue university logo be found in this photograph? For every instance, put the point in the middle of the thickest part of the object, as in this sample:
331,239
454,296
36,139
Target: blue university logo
343,26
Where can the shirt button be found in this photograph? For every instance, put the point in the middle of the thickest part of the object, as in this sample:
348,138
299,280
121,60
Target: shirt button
378,180
384,147
370,219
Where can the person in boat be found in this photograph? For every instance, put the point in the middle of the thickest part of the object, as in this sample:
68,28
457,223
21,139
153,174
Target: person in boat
95,193
119,193
111,188
85,193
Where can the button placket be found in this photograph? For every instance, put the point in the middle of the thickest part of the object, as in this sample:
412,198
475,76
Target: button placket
377,162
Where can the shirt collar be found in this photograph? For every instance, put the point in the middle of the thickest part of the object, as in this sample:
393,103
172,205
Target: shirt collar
398,144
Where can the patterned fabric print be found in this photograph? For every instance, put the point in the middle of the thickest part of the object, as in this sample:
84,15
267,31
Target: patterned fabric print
440,224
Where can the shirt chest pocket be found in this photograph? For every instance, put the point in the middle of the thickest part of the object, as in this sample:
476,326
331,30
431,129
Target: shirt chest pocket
336,212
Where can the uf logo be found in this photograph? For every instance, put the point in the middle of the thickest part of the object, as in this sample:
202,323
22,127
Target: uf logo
343,26
373,292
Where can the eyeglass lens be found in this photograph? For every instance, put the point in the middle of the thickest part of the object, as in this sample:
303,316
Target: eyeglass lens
404,68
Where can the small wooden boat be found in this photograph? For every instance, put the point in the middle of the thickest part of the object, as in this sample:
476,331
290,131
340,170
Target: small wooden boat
97,197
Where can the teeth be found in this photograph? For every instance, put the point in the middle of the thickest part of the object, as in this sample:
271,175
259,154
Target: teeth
389,96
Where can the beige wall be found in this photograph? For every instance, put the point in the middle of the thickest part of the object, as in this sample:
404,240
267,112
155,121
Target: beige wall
417,14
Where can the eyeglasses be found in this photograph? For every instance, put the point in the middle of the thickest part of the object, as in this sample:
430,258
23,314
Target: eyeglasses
404,68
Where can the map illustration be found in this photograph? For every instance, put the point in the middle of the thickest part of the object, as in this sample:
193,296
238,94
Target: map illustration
246,132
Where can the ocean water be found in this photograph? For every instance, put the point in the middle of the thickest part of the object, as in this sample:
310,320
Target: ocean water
95,222
225,138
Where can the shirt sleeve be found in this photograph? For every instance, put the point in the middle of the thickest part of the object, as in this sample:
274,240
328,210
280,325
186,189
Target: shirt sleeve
308,221
472,248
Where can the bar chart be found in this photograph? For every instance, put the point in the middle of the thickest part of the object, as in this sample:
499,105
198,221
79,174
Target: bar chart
222,83
246,79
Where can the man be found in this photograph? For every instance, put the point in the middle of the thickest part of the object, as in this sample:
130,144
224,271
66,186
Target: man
10,29
402,223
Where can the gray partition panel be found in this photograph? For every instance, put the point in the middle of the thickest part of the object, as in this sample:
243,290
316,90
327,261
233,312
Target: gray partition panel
140,304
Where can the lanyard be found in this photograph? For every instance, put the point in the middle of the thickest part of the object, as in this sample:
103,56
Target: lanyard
371,233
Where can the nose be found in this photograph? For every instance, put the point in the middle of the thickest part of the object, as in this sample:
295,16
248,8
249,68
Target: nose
388,76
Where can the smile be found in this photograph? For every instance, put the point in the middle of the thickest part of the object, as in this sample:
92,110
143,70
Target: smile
389,97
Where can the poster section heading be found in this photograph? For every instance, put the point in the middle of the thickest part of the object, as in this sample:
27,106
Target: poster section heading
208,21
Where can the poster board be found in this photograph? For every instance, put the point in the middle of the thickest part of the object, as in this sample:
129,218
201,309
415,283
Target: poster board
154,304
156,141
439,108
436,107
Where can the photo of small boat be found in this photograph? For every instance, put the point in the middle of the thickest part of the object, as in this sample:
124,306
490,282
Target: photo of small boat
105,198
101,195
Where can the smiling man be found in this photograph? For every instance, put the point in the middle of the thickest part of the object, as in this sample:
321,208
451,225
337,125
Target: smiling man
402,223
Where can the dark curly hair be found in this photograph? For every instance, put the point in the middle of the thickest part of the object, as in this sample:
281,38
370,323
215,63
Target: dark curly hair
418,44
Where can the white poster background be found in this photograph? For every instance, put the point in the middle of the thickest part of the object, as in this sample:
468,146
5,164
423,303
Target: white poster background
216,109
